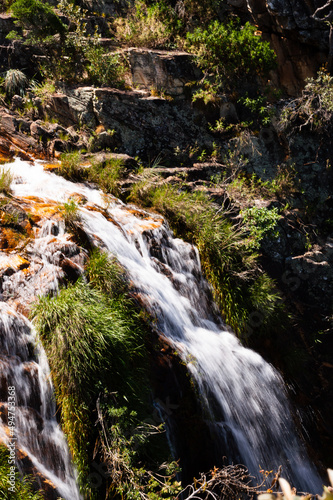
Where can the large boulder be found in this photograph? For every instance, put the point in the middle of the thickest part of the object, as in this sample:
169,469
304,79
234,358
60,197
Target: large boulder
162,70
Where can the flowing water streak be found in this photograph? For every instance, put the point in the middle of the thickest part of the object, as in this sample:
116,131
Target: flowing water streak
251,410
37,434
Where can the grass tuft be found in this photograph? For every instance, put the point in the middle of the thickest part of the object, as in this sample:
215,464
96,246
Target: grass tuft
15,82
71,166
6,178
94,339
70,213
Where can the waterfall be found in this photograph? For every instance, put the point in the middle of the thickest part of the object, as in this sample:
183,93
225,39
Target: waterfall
31,405
244,395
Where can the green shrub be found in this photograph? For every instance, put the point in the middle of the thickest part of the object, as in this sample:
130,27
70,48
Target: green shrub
15,82
260,222
314,109
229,51
23,487
104,68
39,17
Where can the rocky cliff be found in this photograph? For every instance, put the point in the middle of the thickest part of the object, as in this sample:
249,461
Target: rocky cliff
299,33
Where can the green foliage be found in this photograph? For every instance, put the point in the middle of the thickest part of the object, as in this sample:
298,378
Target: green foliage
84,332
78,56
106,275
5,5
39,17
230,51
260,109
15,82
261,222
314,109
6,178
227,259
148,25
23,487
104,68
43,90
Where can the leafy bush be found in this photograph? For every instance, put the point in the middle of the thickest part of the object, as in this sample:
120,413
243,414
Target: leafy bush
39,17
260,222
152,25
15,82
230,51
104,68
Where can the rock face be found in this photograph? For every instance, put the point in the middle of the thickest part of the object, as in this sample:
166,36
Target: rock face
138,124
12,140
300,42
165,71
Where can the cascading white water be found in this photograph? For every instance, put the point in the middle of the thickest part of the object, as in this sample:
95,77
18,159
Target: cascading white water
24,367
252,407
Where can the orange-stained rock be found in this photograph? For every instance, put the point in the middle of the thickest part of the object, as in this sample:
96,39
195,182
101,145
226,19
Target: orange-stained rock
78,198
39,209
15,262
9,239
51,166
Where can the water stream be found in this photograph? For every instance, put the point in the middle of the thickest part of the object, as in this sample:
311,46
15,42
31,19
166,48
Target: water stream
244,395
